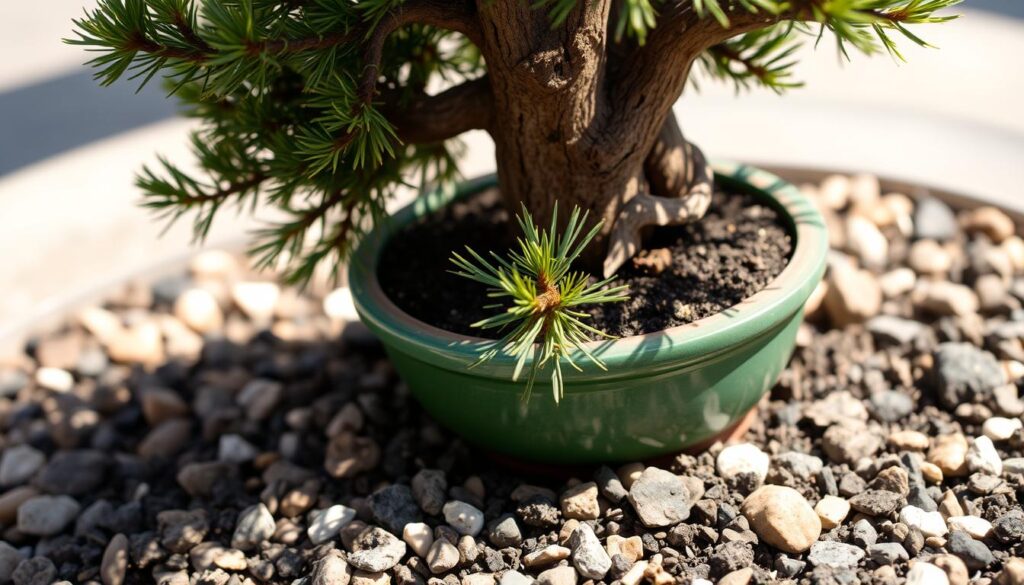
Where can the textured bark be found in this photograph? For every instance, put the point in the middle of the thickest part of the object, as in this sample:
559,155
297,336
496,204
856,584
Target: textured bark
575,120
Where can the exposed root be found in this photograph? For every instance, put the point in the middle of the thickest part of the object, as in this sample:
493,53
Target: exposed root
681,183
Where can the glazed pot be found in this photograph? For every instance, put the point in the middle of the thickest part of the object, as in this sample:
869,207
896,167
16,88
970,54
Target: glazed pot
663,392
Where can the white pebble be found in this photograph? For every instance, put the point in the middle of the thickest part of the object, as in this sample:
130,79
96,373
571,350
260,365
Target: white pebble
256,299
742,458
326,524
929,523
998,428
867,242
198,309
419,537
922,573
1014,465
465,519
897,282
978,528
982,456
55,379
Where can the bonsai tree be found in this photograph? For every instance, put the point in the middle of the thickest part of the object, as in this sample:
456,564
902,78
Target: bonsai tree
323,108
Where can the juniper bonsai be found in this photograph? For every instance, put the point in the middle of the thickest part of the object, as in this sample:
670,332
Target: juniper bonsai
322,108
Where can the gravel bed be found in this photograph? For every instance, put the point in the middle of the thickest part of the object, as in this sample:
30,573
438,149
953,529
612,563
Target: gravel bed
212,428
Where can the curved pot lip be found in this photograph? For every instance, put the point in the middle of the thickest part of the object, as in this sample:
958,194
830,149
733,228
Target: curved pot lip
684,346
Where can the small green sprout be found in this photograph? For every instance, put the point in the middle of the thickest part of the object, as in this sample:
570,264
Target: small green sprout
545,298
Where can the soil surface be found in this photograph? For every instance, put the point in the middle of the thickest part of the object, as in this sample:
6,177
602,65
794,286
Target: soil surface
716,263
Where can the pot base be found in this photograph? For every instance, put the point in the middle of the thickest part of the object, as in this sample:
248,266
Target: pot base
551,470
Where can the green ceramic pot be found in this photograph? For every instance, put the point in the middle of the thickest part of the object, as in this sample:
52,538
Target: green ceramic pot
663,392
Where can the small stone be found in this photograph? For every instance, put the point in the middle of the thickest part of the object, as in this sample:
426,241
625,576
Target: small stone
47,515
742,458
950,455
327,523
180,530
922,573
35,571
927,257
853,296
479,579
233,448
198,309
895,330
393,507
557,576
887,553
876,502
367,578
843,444
505,532
19,463
954,568
890,405
166,440
977,528
1012,573
973,553
897,282
546,556
76,472
348,455
929,523
199,479
907,440
832,510
588,556
443,557
931,472
331,569
259,398
10,558
429,489
257,300
730,556
141,343
419,537
892,479
538,510
631,548
800,465
867,242
609,485
115,561
660,498
580,502
55,379
991,221
934,219
255,525
837,555
863,533
338,305
782,517
515,578
464,518
377,550
983,457
946,298
161,404
1001,429
1009,527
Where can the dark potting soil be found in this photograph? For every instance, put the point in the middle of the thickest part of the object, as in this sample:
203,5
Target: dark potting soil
733,252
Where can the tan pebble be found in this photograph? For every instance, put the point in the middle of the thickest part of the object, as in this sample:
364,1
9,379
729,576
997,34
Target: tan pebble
950,455
141,343
908,440
832,511
949,505
782,517
931,472
115,561
834,192
928,257
853,295
198,309
897,281
580,502
567,529
12,499
738,577
1014,249
364,578
954,568
629,473
1013,369
991,221
103,324
1012,573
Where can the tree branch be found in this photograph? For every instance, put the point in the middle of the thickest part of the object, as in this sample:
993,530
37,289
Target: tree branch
433,118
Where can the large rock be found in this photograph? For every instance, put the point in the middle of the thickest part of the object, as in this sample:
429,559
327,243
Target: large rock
588,556
660,498
376,550
782,517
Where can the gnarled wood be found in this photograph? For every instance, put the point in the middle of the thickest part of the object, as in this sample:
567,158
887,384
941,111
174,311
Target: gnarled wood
681,184
433,118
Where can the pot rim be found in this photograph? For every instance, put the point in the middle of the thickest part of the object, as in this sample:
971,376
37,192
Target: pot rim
685,346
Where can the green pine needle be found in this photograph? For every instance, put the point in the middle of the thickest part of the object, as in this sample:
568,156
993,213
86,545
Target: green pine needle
541,297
